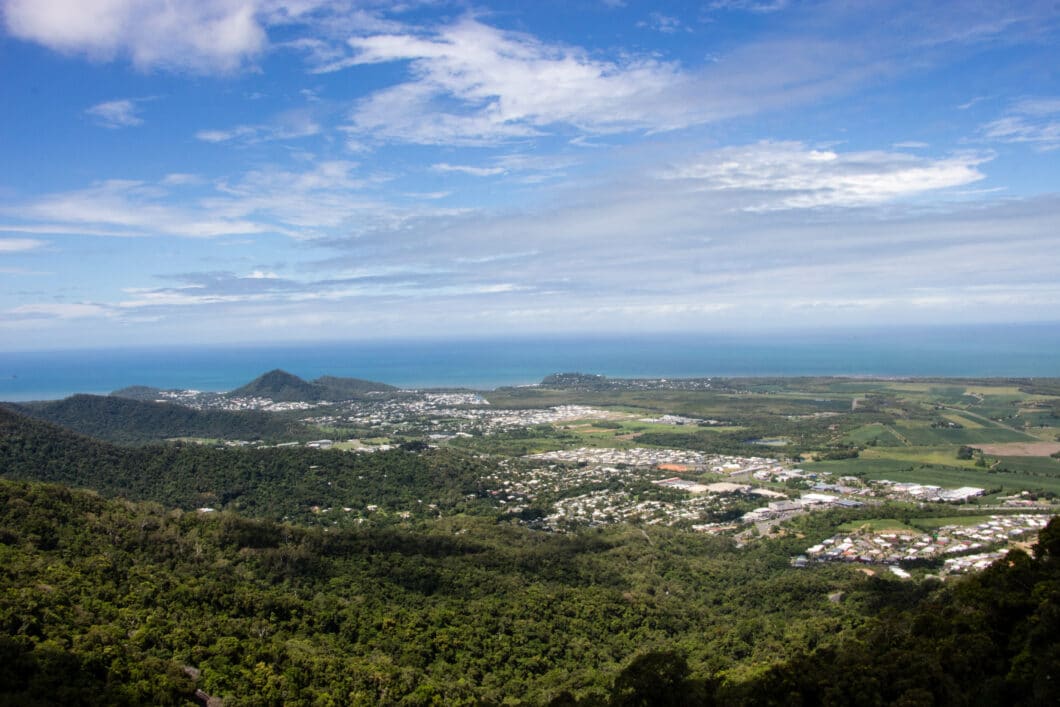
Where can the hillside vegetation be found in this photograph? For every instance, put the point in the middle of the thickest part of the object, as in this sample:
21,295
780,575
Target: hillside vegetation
298,576
282,386
128,421
270,483
110,602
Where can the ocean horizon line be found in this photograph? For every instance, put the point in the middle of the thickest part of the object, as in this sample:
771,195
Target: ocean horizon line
1013,351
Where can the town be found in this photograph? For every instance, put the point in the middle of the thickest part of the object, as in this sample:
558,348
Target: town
954,543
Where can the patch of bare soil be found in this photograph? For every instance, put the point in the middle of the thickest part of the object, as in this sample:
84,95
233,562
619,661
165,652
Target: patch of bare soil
1021,449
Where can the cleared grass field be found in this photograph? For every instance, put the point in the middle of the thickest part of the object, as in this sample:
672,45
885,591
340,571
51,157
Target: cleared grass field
939,456
860,467
934,523
876,432
876,525
1046,466
938,464
1011,479
919,433
625,435
968,422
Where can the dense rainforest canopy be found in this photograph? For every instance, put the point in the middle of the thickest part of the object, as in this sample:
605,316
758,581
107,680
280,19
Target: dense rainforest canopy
181,570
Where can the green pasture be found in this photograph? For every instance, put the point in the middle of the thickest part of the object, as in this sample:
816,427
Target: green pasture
920,433
939,455
876,525
998,406
1035,417
996,390
625,434
968,422
1045,466
1011,479
876,432
860,467
930,524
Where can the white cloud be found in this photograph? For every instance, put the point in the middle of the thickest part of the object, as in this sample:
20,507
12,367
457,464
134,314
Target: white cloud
127,208
472,84
468,169
58,311
507,85
18,245
181,179
121,113
1038,106
288,125
225,135
324,199
756,6
202,36
667,24
1032,121
773,175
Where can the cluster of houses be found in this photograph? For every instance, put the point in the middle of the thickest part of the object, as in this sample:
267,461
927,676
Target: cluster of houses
396,410
676,459
200,400
518,483
665,459
680,484
602,507
972,563
449,414
678,420
895,546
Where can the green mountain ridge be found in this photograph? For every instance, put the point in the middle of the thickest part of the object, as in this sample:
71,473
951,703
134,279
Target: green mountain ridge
269,483
129,421
282,386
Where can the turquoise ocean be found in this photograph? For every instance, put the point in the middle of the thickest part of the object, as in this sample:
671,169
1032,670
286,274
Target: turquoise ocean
1024,350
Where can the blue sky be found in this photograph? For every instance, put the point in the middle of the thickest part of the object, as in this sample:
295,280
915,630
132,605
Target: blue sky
226,171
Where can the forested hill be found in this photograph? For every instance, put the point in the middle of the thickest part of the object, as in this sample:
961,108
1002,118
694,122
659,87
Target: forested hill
110,602
282,386
128,421
270,483
347,388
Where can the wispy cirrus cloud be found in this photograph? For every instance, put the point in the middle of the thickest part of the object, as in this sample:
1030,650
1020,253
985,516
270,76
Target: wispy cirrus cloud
19,245
126,208
785,175
121,113
1032,121
508,85
756,6
468,169
667,24
326,198
58,310
469,83
227,288
288,125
